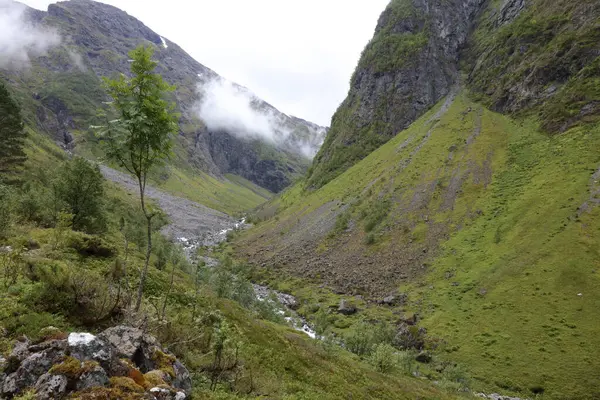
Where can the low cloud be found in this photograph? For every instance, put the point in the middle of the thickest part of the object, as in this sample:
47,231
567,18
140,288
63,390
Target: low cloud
225,106
19,38
77,61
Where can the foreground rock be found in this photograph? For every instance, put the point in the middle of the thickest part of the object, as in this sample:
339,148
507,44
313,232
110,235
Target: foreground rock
120,363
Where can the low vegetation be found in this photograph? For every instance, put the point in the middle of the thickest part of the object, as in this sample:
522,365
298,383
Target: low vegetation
499,264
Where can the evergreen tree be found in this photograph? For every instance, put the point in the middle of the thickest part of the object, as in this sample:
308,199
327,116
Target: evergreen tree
12,137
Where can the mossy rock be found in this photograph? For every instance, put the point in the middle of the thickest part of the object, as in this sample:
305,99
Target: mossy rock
125,384
155,378
164,362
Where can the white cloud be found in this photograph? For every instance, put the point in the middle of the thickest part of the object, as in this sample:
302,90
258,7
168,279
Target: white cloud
229,107
226,106
298,56
19,39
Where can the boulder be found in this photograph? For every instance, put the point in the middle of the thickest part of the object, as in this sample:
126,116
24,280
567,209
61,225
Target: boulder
409,337
50,387
347,308
97,377
57,368
19,353
183,379
124,339
394,300
87,347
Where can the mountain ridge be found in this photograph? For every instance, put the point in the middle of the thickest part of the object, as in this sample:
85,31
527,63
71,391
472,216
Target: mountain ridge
95,40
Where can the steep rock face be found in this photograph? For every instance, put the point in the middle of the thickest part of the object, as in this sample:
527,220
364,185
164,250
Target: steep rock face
539,56
95,41
409,65
253,161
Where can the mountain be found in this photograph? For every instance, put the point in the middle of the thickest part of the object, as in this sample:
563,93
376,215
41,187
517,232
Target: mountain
62,92
535,57
461,175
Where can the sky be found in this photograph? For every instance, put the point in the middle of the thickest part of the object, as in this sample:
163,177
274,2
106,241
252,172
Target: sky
297,55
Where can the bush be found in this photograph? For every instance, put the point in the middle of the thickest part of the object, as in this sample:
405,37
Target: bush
384,358
360,339
406,361
35,203
79,186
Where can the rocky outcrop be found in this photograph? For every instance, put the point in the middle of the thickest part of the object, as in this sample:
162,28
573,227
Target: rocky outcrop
118,361
245,158
409,65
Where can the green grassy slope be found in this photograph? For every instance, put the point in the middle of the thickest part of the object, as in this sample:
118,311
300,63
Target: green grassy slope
58,285
490,226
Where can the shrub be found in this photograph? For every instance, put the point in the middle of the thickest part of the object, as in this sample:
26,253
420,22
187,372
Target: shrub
360,339
406,361
35,203
80,187
384,358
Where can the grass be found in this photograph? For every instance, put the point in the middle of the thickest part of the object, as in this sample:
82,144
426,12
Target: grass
276,361
508,252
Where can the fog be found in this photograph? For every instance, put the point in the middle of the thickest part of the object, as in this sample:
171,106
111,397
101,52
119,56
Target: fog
19,39
226,106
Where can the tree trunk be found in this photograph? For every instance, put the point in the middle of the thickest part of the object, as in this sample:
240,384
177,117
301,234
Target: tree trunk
144,273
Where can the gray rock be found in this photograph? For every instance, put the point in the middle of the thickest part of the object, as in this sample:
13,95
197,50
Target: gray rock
409,337
183,379
87,347
510,11
30,370
347,308
125,340
21,350
390,99
395,300
94,378
50,387
9,385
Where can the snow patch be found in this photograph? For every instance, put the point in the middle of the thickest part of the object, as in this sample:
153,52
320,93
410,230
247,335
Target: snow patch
76,339
164,42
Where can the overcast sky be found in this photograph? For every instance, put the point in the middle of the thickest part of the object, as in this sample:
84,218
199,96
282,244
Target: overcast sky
297,55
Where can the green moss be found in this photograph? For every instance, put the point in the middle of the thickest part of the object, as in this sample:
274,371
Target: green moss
71,367
164,362
125,384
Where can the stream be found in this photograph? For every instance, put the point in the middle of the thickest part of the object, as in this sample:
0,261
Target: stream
283,303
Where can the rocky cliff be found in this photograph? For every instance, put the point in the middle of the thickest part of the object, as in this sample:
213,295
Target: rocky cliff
62,92
409,65
520,57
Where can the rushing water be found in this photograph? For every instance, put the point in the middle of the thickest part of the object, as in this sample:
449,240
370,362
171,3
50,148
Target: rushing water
284,303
